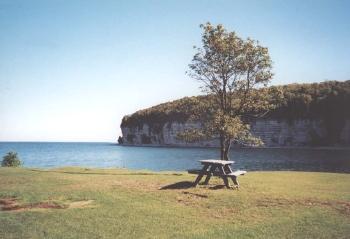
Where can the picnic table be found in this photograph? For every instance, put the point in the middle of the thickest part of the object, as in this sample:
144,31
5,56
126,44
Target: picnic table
220,168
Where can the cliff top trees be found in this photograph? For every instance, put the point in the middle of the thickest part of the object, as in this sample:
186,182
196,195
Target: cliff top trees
295,104
231,70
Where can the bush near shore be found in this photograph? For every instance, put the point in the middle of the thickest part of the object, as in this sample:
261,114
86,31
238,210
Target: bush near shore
11,159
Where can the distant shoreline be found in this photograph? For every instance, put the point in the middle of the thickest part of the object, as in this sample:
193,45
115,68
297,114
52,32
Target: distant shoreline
183,146
212,147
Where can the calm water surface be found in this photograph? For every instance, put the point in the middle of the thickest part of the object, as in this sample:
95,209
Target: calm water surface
103,155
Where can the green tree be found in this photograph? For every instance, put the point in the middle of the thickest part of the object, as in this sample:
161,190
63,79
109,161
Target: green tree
231,70
11,160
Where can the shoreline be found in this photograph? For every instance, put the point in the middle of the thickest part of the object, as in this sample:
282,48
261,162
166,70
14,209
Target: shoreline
232,148
180,146
149,171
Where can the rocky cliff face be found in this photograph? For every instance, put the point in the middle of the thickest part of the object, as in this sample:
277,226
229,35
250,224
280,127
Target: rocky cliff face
274,133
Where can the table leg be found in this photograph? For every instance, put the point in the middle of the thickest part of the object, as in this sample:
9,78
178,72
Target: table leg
222,170
201,174
234,178
211,171
235,181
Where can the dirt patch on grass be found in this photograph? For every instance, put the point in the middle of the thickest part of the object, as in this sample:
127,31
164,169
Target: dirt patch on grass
11,204
7,203
341,206
189,198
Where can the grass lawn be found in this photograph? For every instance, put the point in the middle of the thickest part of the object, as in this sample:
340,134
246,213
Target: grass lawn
118,203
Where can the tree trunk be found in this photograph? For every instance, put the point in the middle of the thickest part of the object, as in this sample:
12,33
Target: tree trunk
227,146
222,147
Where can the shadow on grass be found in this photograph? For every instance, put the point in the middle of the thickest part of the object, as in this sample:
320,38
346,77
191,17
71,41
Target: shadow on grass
178,185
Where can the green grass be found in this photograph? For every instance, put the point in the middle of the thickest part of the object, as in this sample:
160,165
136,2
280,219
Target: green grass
131,204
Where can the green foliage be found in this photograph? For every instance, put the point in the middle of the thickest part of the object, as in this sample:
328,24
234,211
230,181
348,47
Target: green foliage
157,116
11,160
232,126
317,100
231,70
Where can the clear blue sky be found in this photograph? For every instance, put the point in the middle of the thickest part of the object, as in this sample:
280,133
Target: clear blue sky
70,70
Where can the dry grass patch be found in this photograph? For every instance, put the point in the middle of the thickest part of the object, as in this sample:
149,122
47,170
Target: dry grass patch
342,206
12,204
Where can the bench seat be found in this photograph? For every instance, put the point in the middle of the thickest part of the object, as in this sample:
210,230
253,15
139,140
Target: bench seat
235,173
196,171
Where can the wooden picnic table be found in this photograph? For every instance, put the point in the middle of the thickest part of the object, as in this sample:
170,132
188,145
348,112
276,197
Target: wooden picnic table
220,168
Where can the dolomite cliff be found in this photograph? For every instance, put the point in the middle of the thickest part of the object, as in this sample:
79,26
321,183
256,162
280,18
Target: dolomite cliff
316,114
274,133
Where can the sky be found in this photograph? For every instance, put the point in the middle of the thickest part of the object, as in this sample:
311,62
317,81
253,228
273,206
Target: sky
70,70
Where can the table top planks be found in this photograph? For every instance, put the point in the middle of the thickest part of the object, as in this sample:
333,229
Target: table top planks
215,161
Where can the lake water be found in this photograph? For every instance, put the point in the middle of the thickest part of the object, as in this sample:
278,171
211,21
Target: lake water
104,155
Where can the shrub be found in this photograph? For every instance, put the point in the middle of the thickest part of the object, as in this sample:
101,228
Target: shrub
11,160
